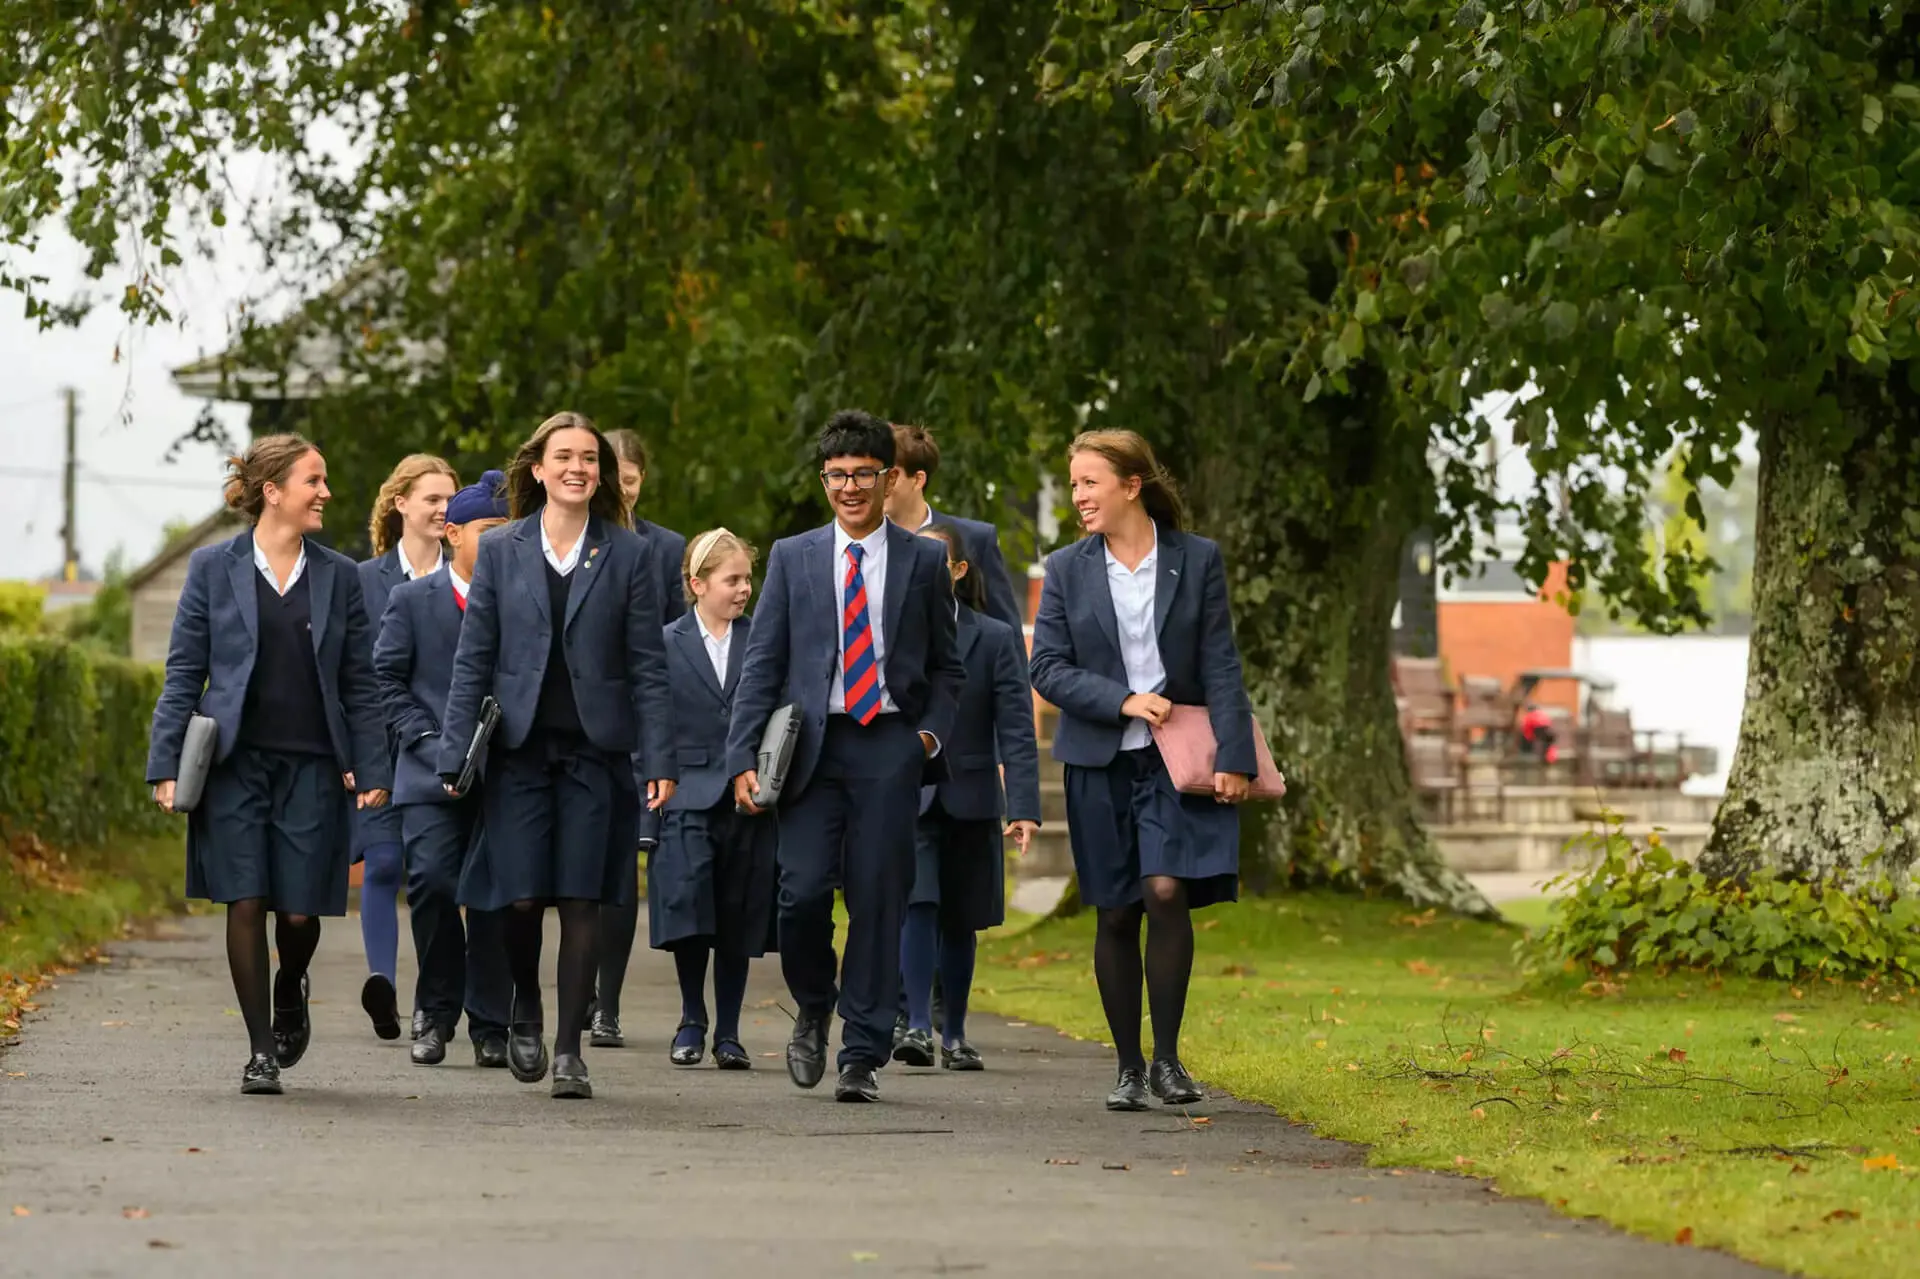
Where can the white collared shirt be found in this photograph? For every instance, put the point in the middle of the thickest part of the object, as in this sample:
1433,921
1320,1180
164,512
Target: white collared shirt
1139,642
562,564
873,572
717,649
460,584
406,565
266,569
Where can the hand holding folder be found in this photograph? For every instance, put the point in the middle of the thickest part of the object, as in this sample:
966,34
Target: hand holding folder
1188,748
483,726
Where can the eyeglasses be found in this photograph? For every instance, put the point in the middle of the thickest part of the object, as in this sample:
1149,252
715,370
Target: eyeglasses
864,478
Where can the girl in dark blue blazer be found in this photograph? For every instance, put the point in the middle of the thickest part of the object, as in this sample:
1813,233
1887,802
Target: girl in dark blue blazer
1133,620
405,531
711,882
563,630
270,641
959,884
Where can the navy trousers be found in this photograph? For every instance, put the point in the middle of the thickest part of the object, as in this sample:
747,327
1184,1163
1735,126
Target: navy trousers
461,965
851,828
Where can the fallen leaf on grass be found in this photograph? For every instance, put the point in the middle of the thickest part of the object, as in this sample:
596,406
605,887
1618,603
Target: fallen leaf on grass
1208,926
1785,1017
1880,1163
1419,968
21,1210
1684,1237
1179,1172
16,1074
1479,1112
1461,1161
1236,970
1842,1214
1676,1054
1361,1199
1199,1121
1323,1166
134,1214
11,1023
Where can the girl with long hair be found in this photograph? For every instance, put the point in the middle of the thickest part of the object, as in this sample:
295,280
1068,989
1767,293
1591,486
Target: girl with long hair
1133,619
563,631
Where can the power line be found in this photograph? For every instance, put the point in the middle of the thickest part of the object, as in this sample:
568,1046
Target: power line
97,477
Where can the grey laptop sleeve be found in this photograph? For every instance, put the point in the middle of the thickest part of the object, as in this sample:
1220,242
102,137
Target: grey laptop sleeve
776,754
196,760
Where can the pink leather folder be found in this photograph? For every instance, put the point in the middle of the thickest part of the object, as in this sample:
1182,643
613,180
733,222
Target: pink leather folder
1187,746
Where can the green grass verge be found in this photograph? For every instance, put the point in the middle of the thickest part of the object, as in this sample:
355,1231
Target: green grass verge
1771,1121
55,906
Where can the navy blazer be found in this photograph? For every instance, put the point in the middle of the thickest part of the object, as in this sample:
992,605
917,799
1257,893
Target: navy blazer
413,666
378,577
216,636
794,652
611,630
702,708
985,562
1076,650
669,553
995,709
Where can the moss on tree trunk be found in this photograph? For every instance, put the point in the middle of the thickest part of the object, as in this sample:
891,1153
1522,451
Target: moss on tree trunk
1827,771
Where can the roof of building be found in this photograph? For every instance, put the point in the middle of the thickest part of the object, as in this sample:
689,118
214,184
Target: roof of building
185,544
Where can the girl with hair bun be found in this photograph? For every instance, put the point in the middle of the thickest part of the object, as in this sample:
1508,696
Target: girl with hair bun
271,641
711,883
405,531
1133,619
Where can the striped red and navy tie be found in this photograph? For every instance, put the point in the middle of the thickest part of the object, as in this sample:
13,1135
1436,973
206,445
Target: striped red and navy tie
860,677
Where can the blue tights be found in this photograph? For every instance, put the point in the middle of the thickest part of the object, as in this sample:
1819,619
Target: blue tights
923,942
380,909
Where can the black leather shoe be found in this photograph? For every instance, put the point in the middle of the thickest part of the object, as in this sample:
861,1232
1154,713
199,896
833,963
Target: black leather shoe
807,1051
1130,1091
490,1052
292,1027
526,1048
570,1081
605,1031
729,1055
962,1056
261,1077
857,1083
420,1023
914,1049
689,1049
1172,1084
899,1029
382,1005
430,1047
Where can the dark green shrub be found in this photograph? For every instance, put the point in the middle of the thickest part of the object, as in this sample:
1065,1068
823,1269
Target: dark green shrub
1644,908
73,742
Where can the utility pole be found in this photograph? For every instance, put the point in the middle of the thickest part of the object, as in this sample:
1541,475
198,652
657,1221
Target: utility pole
70,529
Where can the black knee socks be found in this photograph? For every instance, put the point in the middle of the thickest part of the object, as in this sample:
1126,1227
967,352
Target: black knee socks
579,926
247,962
520,928
690,966
1116,968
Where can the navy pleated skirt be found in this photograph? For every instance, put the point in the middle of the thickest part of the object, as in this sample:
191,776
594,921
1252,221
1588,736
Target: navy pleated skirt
275,825
960,866
561,820
714,878
1127,822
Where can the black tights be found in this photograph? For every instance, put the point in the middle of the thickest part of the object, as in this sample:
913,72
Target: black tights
295,936
618,926
579,923
1117,968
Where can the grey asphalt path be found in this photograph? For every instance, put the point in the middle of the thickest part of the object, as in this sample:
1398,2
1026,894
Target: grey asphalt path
125,1138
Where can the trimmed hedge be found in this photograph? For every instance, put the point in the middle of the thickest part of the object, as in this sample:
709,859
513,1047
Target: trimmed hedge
73,742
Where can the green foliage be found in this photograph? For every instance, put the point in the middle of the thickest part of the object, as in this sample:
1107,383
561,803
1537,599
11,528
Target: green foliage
104,622
1644,908
73,742
22,607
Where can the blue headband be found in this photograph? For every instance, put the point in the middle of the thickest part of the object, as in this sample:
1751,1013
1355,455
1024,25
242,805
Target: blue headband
485,500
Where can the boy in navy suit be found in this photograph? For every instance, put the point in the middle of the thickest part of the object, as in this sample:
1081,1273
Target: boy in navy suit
413,664
855,628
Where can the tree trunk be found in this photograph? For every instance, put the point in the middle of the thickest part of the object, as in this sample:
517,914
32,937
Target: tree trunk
1313,547
1827,771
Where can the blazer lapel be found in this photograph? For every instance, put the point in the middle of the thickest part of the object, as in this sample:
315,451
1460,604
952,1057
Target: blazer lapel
1172,557
686,633
1094,570
966,631
240,575
391,574
819,572
443,608
900,548
533,565
736,654
585,573
319,592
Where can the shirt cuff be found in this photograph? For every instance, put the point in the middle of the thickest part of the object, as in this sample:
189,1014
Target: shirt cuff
936,744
